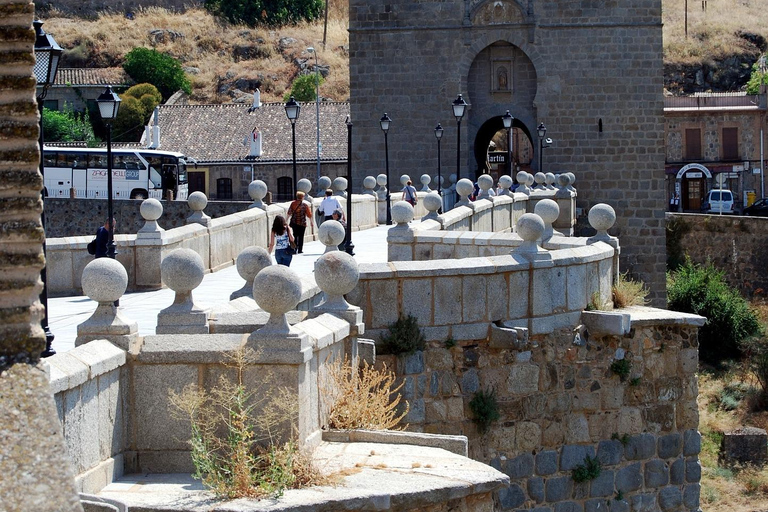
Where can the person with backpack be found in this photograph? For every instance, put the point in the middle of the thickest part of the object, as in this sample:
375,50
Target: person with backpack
298,213
99,246
409,194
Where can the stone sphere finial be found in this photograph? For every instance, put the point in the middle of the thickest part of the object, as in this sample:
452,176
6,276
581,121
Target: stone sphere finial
432,203
529,179
549,211
549,180
485,183
182,270
602,217
440,180
425,180
250,262
505,182
151,209
257,189
197,201
572,177
402,213
104,280
304,185
522,177
464,188
563,180
339,186
369,183
331,233
404,179
323,184
452,177
381,179
539,178
530,227
336,273
277,290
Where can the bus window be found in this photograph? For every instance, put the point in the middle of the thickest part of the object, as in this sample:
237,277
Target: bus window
61,160
49,159
97,161
80,161
133,162
74,159
118,162
182,174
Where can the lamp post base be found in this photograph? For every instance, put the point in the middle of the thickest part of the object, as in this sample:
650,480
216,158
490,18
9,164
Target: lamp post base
48,352
350,248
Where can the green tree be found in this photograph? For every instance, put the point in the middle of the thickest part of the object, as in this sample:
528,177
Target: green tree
759,76
303,88
129,123
266,12
158,69
67,125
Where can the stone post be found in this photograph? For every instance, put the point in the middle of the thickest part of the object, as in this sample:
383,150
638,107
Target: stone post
149,245
602,217
257,189
369,183
571,188
432,203
400,236
182,271
425,181
505,183
151,210
105,280
548,210
539,178
566,200
464,188
304,185
381,195
530,227
197,203
331,233
522,179
549,180
485,183
250,262
339,186
323,184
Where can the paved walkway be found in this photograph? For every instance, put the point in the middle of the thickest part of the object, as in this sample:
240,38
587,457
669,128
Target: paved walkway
65,313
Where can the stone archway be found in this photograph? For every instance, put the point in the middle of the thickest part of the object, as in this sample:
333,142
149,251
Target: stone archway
486,132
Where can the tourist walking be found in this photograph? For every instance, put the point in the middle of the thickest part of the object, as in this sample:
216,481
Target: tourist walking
329,205
102,240
298,213
409,194
281,239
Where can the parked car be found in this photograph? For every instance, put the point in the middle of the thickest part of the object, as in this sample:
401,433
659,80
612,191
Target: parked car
719,200
758,209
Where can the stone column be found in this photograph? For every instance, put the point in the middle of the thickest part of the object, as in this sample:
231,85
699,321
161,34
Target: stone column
602,217
250,262
182,271
197,202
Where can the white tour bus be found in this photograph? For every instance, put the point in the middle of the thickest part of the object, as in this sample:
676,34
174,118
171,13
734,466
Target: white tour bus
136,173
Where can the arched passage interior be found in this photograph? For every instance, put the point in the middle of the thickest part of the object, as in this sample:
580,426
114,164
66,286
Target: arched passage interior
487,132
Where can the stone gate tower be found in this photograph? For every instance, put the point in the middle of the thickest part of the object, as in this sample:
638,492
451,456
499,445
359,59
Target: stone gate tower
590,70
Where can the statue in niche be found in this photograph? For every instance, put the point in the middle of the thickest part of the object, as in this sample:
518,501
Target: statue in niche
502,83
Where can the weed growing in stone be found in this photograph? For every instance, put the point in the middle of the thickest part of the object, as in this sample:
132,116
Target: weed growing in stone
239,442
623,439
450,343
635,381
619,495
404,337
364,398
622,368
588,470
485,409
628,292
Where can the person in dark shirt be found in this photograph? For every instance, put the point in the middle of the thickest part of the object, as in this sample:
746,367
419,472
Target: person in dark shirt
102,239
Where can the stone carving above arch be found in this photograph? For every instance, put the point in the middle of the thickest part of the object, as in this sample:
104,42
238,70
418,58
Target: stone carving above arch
496,12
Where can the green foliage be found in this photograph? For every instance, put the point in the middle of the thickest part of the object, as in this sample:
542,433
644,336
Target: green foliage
588,470
756,360
130,120
759,76
271,13
731,395
304,88
623,438
702,290
485,409
66,125
635,381
404,337
148,95
622,368
619,495
163,71
450,343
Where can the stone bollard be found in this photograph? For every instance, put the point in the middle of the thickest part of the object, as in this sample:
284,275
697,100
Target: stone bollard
304,185
440,181
522,179
105,280
464,188
563,182
400,235
257,189
337,274
381,197
339,187
745,445
425,181
548,210
432,203
572,178
197,203
182,271
151,210
369,183
549,180
323,184
539,178
277,290
250,262
530,227
505,183
404,179
331,234
485,183
602,217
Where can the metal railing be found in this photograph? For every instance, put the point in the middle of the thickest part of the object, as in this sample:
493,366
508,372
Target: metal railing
713,100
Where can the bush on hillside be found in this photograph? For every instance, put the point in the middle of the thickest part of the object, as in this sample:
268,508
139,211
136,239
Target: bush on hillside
271,13
163,71
702,290
759,77
304,88
66,125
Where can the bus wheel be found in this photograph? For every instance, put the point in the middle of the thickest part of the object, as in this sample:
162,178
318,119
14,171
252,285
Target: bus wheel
138,194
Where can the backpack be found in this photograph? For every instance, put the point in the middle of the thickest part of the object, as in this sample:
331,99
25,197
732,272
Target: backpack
92,247
298,215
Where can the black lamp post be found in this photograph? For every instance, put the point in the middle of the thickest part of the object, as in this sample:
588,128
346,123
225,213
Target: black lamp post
543,143
458,111
384,122
47,55
438,136
109,104
292,110
349,246
507,120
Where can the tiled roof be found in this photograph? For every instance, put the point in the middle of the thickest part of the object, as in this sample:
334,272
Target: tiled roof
215,133
92,76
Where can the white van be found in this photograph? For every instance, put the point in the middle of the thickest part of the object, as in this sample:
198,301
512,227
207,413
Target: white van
719,200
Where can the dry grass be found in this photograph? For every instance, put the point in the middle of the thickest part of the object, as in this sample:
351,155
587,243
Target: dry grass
364,398
208,44
712,34
628,292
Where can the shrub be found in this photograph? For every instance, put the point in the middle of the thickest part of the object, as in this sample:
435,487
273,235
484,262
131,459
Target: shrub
756,360
362,399
266,12
628,292
404,337
66,125
148,95
622,368
158,69
588,470
304,88
237,446
129,123
485,409
702,290
758,77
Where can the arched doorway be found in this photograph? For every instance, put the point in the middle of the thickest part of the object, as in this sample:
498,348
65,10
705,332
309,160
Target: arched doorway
494,161
691,186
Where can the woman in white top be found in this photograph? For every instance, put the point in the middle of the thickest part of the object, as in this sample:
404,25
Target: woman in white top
280,239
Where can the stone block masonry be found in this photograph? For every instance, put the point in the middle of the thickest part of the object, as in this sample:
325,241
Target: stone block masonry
561,403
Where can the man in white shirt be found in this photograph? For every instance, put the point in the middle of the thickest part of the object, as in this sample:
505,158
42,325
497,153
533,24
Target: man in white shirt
329,205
